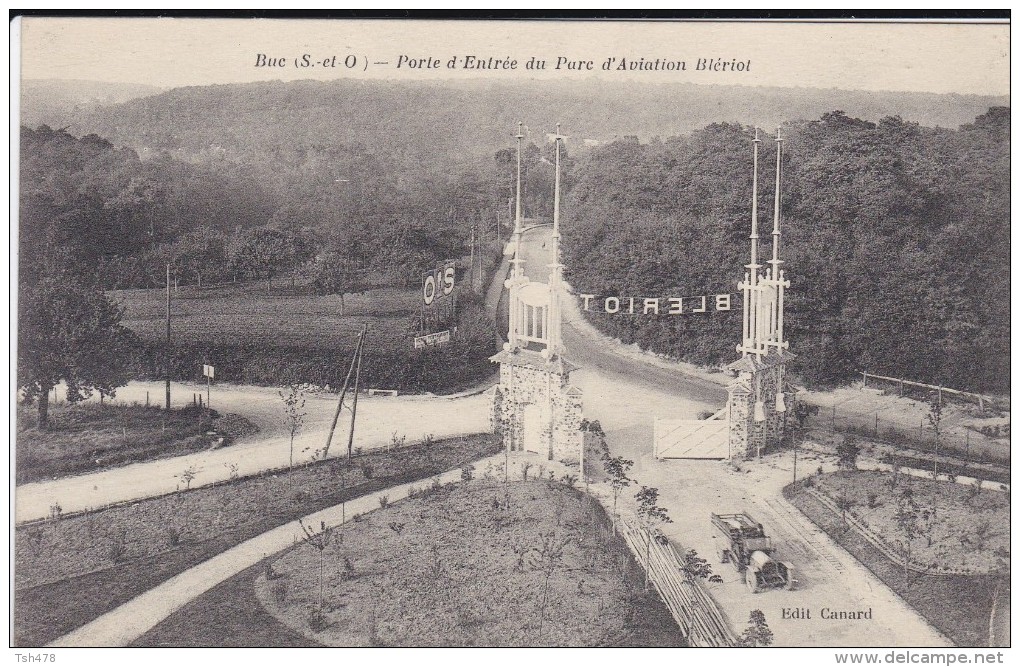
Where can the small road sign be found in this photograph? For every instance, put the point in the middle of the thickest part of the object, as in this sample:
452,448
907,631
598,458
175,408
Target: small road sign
431,339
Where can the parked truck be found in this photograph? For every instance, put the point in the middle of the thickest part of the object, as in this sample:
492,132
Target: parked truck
742,541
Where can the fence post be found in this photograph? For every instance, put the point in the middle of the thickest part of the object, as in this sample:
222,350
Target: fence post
901,387
146,399
834,417
968,444
865,374
940,396
876,424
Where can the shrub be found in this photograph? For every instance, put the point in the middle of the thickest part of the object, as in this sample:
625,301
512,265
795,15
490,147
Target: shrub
384,501
173,536
117,551
279,589
467,473
317,620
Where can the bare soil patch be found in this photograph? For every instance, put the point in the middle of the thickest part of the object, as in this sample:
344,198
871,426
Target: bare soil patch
959,606
70,570
476,564
968,529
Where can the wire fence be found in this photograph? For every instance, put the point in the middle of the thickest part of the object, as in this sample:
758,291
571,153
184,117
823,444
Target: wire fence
954,438
928,392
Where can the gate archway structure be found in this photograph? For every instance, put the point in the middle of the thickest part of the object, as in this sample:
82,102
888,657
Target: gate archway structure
535,407
760,397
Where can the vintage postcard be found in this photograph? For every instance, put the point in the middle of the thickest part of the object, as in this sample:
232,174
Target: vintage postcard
587,333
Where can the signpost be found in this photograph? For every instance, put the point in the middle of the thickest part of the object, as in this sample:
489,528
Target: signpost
432,339
209,372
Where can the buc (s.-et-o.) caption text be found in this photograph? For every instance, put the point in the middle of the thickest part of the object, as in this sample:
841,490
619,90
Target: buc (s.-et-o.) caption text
405,62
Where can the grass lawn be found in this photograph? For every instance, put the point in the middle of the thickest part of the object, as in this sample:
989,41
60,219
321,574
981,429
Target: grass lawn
292,336
244,314
958,605
88,437
71,570
474,564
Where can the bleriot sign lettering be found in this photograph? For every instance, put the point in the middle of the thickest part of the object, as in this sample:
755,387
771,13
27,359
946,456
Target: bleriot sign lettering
672,305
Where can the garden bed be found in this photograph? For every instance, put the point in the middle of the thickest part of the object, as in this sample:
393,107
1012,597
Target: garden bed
959,527
958,605
90,436
68,571
476,564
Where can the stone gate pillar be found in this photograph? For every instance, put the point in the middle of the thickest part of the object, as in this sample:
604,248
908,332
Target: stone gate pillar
760,397
535,408
760,402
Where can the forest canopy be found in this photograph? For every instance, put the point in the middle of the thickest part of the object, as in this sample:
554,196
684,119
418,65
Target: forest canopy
896,235
896,240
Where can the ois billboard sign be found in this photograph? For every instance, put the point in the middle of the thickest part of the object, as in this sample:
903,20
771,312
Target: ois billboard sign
438,298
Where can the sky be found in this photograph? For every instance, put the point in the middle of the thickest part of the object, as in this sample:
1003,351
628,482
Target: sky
965,58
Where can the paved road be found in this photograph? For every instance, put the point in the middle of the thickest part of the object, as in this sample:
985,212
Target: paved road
626,394
378,419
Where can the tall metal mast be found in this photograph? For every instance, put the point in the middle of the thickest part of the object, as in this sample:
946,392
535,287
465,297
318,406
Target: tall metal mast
752,339
776,317
517,274
555,341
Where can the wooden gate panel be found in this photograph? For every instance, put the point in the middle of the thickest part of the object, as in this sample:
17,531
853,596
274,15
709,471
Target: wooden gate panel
692,438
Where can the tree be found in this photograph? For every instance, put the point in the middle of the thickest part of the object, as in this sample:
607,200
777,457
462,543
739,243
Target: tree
331,273
651,517
695,567
935,419
547,557
848,451
294,414
845,503
616,468
757,633
263,253
321,541
908,523
69,331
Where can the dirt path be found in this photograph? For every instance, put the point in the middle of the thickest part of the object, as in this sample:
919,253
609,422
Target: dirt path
625,393
379,418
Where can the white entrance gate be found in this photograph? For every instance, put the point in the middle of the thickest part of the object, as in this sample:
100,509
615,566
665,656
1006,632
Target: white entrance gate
693,438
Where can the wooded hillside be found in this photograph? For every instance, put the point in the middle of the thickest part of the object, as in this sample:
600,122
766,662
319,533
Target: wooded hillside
896,240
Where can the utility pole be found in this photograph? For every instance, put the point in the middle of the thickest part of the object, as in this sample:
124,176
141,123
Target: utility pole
357,378
343,393
473,280
167,350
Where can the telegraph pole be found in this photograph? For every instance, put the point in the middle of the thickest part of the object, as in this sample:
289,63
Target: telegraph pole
167,350
357,378
473,281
